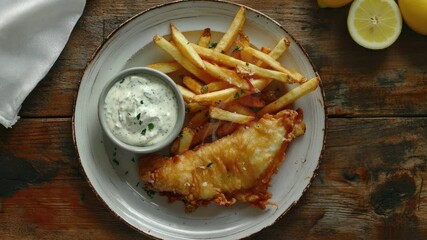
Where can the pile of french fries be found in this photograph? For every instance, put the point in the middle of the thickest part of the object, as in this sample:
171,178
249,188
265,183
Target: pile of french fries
225,83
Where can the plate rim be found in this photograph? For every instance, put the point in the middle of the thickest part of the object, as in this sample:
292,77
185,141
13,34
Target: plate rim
130,19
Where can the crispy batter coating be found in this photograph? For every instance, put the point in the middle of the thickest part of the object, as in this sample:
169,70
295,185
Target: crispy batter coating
237,167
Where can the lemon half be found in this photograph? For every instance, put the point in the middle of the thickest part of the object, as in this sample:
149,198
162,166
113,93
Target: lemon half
374,24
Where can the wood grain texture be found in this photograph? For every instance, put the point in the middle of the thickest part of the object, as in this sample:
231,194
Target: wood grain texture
370,181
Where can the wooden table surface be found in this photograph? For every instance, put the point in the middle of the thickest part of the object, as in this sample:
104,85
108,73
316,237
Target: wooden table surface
370,184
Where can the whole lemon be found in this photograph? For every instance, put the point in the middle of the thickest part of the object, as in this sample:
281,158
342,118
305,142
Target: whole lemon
414,12
333,3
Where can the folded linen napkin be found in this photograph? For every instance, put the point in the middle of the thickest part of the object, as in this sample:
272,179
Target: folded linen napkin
32,35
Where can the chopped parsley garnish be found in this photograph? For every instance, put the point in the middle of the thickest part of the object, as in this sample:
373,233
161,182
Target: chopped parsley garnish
209,165
142,102
143,131
237,95
222,51
205,89
238,48
137,184
247,64
133,159
126,173
116,162
121,81
150,126
138,116
140,122
212,45
150,192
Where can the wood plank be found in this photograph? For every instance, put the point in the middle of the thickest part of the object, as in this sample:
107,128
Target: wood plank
369,185
36,151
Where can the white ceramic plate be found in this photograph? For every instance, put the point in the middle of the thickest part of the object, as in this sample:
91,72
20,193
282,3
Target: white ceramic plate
113,172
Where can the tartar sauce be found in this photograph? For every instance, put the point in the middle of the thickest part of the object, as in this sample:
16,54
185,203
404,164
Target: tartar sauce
141,110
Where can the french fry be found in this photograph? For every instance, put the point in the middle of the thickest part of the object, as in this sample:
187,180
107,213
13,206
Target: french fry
228,38
297,77
240,109
229,61
176,54
206,131
198,119
290,96
193,107
184,46
205,38
228,94
186,94
251,101
217,97
280,48
166,67
241,43
185,140
215,86
175,146
264,50
220,114
226,128
226,75
192,84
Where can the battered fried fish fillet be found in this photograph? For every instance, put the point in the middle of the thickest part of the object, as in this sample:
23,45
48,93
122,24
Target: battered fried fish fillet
237,167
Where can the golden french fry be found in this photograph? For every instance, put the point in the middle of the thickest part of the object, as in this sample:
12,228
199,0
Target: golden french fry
205,38
236,25
241,43
217,97
264,50
192,84
176,54
229,61
193,107
226,75
225,95
226,128
166,67
185,140
251,101
186,94
240,109
267,59
290,96
220,114
215,86
174,146
198,119
184,46
206,131
280,48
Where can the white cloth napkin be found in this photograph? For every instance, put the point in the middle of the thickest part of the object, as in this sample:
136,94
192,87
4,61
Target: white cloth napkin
32,35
